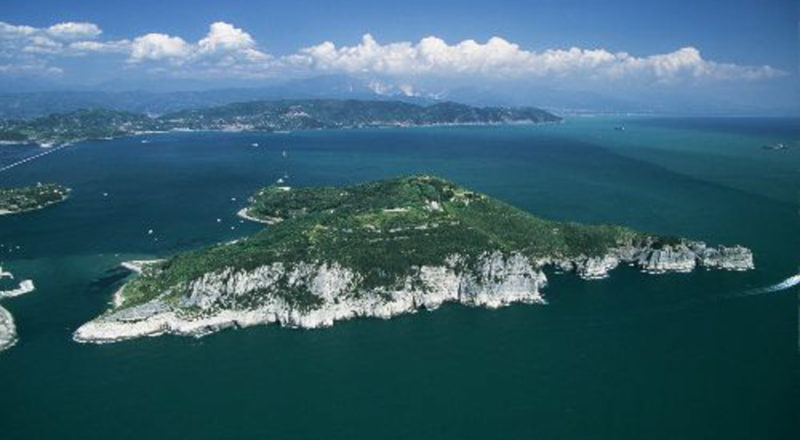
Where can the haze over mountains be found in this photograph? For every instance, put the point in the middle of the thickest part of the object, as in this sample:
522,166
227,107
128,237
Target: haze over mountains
40,98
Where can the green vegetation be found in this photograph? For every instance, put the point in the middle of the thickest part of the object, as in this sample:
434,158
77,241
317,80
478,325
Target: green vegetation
381,230
77,125
16,200
329,113
261,115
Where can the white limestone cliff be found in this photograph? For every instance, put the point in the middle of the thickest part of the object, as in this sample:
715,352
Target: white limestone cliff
239,298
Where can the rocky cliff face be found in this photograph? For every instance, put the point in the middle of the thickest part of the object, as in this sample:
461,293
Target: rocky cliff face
330,292
313,295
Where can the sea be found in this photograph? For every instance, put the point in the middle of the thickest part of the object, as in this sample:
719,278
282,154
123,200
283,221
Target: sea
705,355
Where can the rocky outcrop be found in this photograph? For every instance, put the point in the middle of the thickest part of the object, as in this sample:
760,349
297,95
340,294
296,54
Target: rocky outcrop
330,293
657,258
25,286
8,332
736,258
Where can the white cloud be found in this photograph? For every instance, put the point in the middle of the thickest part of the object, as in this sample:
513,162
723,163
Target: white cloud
8,31
224,51
228,51
498,58
42,44
74,31
119,46
224,37
159,47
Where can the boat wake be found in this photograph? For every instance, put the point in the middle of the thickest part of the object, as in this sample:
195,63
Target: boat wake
788,283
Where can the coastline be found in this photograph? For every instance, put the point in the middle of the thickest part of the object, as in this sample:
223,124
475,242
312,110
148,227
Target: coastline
514,281
243,213
498,280
171,322
59,144
138,266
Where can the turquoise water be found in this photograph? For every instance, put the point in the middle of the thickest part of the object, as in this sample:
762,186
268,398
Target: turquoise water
633,356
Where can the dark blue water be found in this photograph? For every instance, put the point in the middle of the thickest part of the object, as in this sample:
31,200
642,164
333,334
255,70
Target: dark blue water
633,356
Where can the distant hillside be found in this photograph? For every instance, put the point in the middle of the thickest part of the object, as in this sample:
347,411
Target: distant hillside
311,114
262,116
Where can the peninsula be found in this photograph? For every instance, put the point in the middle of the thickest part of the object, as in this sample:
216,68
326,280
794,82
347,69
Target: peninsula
15,200
378,250
279,115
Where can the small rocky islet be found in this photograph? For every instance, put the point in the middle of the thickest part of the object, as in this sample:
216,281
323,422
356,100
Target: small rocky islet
379,249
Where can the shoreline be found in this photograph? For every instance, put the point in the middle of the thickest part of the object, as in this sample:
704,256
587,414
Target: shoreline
168,320
138,266
57,144
37,208
511,279
243,213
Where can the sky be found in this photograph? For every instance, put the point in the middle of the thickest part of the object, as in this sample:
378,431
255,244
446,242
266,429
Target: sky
733,52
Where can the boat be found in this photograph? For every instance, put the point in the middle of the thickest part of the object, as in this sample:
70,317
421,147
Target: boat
776,147
619,128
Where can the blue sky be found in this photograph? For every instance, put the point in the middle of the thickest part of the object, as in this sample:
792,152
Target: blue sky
703,44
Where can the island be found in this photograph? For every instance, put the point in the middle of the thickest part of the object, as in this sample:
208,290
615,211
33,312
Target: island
379,249
15,200
271,116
